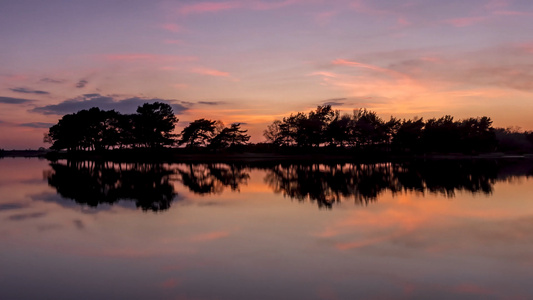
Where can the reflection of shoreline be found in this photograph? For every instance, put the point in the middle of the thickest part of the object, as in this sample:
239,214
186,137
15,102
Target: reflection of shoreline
92,183
151,186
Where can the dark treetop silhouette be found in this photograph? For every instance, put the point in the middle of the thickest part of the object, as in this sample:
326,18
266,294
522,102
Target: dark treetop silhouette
153,125
365,129
96,129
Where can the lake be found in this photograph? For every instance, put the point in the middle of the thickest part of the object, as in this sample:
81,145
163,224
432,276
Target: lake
417,230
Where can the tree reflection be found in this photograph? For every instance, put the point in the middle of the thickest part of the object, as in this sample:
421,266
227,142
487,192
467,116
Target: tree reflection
327,184
213,178
94,183
152,186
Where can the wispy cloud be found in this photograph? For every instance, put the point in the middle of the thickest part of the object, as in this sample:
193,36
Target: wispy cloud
269,5
361,6
210,72
10,100
87,101
324,73
131,57
210,7
513,13
205,7
37,125
82,83
12,206
497,4
172,42
463,22
172,27
334,101
28,91
212,103
22,217
389,72
52,80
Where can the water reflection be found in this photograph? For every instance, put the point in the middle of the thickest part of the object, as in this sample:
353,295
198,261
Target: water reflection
213,178
152,186
94,183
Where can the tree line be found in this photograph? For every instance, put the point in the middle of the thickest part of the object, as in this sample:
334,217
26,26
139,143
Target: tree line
364,129
151,127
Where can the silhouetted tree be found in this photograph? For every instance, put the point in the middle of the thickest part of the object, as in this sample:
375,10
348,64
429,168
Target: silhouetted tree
409,135
154,124
340,130
97,129
198,133
231,137
276,133
477,135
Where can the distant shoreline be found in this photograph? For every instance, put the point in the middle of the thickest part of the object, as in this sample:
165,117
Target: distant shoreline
180,155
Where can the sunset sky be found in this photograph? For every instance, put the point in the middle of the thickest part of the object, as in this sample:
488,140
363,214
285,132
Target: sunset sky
256,61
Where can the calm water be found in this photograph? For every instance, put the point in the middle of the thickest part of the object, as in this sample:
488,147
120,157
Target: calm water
441,230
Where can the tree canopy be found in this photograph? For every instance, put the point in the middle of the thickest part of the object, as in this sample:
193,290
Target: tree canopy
96,129
364,129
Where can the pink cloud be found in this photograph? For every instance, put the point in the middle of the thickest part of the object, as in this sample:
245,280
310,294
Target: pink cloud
463,22
527,47
180,86
147,57
512,13
344,62
172,27
403,22
323,73
497,4
264,5
15,77
211,72
205,7
210,236
324,17
361,7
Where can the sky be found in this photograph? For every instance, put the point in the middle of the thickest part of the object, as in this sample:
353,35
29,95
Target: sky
256,61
